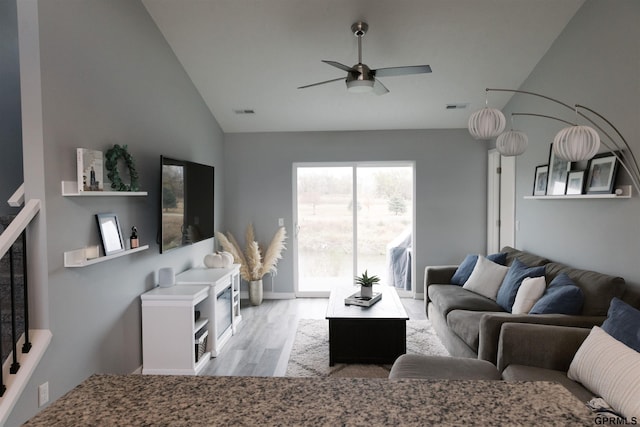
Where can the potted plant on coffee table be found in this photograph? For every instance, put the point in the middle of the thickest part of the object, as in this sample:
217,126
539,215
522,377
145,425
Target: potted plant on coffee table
366,283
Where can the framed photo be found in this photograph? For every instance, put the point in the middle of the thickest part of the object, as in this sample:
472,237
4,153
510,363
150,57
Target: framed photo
109,227
602,174
540,180
575,182
558,171
89,170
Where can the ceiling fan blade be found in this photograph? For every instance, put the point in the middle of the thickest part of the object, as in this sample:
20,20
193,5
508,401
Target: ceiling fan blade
321,83
401,71
379,88
341,66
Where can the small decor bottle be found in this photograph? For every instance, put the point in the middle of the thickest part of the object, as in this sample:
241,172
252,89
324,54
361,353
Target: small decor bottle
134,238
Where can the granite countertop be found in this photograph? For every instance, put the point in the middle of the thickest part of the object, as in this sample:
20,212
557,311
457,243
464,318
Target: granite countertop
134,400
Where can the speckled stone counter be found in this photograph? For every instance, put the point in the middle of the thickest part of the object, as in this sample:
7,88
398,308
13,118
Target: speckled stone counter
134,400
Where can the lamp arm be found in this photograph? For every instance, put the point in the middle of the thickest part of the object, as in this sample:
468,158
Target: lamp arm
532,93
626,144
635,176
616,150
545,116
572,108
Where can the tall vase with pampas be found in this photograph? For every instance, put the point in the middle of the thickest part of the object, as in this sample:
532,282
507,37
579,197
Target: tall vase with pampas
253,266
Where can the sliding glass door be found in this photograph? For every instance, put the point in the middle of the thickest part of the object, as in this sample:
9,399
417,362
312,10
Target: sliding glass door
352,217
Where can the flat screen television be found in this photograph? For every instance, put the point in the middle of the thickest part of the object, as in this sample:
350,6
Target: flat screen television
186,203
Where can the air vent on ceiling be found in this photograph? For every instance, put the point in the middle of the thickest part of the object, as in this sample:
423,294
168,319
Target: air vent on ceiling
460,106
244,111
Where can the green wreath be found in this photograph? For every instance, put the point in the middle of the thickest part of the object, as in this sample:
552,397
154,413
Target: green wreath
111,163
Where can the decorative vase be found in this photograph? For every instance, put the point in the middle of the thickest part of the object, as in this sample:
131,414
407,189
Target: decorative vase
255,292
366,291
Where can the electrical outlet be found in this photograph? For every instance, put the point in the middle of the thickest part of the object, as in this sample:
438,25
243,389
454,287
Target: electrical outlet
280,222
43,394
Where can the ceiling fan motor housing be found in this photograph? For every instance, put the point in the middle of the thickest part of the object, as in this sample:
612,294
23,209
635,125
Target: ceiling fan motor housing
359,29
362,73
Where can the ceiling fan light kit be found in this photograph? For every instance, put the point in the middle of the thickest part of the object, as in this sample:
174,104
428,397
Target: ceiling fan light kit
360,78
359,86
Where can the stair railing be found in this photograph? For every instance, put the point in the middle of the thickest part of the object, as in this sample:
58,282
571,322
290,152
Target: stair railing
15,231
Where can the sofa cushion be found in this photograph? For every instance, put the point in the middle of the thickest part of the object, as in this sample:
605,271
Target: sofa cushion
561,297
610,369
466,325
533,373
486,278
527,258
451,297
598,289
623,323
464,270
438,367
528,294
518,271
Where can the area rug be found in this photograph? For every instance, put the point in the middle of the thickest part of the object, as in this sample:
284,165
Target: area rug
310,352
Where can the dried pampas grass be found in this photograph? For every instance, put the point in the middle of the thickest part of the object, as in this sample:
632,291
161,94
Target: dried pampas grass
252,265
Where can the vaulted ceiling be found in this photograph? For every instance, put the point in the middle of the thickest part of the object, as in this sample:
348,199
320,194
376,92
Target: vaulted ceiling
253,54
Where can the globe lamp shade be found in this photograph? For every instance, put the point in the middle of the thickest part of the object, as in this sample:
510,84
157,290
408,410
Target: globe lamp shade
512,143
576,143
486,123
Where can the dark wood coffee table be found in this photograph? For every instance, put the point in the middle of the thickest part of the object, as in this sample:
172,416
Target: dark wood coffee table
376,334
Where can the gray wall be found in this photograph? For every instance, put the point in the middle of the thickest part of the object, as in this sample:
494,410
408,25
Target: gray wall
594,62
108,76
450,199
10,123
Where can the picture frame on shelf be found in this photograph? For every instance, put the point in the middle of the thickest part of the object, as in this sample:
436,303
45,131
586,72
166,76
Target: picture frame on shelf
540,180
110,233
558,171
575,182
90,167
602,174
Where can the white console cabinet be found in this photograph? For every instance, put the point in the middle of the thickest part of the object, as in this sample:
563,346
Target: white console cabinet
224,301
171,332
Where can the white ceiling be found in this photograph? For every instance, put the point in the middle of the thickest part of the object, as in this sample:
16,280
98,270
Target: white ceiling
253,54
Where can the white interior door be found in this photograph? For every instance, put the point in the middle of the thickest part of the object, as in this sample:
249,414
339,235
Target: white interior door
501,202
507,201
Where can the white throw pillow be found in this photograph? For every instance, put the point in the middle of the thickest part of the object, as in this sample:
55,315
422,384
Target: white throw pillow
486,278
529,292
610,369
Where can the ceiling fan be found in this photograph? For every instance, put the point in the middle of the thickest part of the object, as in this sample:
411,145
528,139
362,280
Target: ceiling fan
361,78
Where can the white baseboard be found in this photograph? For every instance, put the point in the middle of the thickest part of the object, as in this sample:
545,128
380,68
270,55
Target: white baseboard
271,295
137,371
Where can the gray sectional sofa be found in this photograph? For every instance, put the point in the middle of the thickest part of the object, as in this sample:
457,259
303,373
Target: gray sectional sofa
470,324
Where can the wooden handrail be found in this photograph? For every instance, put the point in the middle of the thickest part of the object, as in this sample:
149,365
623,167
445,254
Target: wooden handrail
18,225
17,199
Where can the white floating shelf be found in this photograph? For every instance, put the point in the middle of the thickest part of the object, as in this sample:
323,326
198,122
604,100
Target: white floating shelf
70,189
77,258
625,194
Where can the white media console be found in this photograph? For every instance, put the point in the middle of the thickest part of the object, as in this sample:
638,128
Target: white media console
171,329
223,304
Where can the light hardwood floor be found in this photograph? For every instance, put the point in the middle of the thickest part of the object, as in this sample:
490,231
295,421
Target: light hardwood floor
264,339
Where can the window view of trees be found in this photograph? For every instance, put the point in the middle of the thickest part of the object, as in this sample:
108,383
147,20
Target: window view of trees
172,206
326,225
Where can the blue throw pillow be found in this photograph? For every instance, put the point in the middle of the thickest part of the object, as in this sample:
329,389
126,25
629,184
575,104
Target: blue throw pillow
623,323
561,297
465,268
512,281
